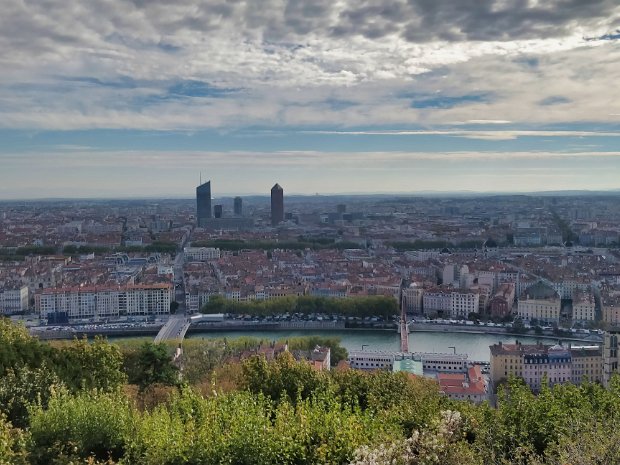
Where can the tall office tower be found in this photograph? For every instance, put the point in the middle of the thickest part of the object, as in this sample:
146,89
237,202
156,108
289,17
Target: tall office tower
217,211
277,205
238,208
203,203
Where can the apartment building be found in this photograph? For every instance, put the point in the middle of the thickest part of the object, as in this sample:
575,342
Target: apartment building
455,303
201,254
13,299
104,301
584,307
556,364
610,307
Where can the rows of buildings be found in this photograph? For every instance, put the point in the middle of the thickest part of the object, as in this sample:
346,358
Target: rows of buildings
457,376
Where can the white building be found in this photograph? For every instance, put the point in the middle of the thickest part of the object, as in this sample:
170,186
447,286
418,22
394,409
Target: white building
13,300
553,364
384,360
464,302
583,307
455,303
437,301
201,254
104,302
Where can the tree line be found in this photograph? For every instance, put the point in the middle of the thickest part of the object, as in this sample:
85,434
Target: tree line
279,411
301,243
367,306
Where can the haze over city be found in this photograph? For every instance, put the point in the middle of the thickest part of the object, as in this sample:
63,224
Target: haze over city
135,99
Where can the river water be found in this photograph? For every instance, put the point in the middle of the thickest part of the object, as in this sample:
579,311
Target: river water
475,345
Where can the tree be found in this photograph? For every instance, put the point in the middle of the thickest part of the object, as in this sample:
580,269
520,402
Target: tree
74,428
174,305
151,364
23,388
96,365
442,445
282,378
12,444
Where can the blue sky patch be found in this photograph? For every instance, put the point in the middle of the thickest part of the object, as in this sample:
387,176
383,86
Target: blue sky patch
445,101
554,100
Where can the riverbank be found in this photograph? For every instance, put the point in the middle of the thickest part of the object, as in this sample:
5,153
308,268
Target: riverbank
228,326
477,329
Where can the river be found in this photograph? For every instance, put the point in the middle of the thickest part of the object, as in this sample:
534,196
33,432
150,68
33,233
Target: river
475,345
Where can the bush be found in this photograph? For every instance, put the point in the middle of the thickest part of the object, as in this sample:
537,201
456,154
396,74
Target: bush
88,424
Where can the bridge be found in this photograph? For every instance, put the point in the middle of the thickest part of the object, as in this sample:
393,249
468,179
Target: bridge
175,328
403,328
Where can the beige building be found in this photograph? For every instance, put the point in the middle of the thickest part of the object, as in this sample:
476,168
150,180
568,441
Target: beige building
412,299
587,364
610,307
557,364
584,308
507,361
540,302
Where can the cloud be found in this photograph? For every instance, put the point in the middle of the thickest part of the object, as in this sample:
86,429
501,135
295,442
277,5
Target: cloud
220,64
473,134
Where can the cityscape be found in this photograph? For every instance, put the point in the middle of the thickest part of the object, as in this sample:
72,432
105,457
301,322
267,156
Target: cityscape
544,268
310,232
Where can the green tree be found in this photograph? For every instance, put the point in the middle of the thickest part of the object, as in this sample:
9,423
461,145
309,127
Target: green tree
18,348
281,378
151,364
77,427
518,326
12,444
96,365
23,388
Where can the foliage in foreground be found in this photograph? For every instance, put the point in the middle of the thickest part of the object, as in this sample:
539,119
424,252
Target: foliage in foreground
279,412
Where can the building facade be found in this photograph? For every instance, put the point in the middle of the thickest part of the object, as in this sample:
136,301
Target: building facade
203,203
201,254
538,363
277,205
238,206
13,300
104,302
540,302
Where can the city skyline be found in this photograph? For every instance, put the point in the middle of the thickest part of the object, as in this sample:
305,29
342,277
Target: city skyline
332,97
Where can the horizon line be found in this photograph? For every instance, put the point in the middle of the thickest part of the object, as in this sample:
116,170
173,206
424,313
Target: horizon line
426,193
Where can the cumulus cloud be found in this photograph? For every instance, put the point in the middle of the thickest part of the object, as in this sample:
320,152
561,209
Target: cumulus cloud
215,63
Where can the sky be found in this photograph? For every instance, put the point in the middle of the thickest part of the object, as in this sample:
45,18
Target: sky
143,98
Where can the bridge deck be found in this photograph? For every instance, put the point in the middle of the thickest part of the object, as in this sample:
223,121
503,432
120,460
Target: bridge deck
175,328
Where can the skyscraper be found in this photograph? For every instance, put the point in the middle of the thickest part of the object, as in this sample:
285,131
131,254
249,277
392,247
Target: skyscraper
203,203
238,208
277,205
217,211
